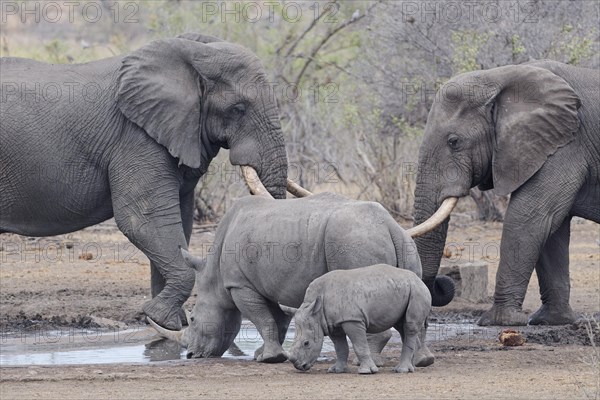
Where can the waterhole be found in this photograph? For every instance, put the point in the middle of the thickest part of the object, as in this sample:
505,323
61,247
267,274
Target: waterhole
142,345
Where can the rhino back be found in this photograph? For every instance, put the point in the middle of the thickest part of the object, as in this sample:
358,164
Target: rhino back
358,235
277,247
377,295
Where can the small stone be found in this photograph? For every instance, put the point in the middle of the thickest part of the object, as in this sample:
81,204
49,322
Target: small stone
86,256
510,337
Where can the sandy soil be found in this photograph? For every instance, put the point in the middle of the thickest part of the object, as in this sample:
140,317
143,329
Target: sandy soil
52,282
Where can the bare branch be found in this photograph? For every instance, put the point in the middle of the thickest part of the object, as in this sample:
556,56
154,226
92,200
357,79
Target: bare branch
326,39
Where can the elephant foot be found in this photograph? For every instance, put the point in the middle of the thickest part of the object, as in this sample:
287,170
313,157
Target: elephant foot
547,315
404,369
338,368
423,357
167,315
503,316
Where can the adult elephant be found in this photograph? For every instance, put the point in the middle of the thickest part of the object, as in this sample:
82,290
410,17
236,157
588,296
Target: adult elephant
532,131
131,136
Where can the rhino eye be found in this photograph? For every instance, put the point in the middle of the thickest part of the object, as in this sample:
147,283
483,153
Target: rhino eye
306,343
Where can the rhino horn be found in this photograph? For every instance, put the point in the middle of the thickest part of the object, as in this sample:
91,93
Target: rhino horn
169,334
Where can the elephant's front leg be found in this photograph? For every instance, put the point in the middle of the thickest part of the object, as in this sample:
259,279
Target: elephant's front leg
157,281
553,276
150,217
256,308
530,220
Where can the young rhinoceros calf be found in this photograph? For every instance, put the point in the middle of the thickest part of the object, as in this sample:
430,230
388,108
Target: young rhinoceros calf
353,302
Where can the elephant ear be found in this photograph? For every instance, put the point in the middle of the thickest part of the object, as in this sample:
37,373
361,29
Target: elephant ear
160,89
534,113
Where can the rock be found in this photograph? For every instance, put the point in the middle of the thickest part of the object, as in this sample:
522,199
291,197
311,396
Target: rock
509,337
471,280
86,256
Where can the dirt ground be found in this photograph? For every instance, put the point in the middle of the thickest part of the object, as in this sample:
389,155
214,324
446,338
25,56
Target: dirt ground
94,278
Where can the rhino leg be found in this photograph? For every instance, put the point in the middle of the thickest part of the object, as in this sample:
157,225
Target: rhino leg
357,332
282,320
341,352
256,308
423,356
377,342
409,331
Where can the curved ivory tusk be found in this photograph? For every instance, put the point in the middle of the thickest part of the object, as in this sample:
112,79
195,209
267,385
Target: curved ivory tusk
296,189
253,181
188,316
288,310
440,216
173,335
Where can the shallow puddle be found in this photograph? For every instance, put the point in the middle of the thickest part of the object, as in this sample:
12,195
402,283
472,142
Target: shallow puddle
141,345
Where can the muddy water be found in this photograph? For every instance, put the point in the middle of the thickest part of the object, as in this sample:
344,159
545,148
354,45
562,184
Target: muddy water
141,345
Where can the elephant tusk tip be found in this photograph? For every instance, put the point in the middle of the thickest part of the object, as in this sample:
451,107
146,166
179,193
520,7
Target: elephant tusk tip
296,189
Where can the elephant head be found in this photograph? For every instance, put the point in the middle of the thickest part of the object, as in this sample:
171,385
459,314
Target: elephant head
493,129
196,94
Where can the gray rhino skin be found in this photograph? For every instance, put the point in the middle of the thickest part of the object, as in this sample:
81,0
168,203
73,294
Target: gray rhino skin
356,302
268,251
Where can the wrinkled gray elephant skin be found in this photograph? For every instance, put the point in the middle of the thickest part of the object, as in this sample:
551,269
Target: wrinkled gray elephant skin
267,252
129,137
533,131
353,302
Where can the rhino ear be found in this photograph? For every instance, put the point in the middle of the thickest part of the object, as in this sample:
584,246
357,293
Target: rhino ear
194,262
534,113
288,310
315,307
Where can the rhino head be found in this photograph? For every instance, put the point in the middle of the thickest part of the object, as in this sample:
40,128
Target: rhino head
214,321
308,340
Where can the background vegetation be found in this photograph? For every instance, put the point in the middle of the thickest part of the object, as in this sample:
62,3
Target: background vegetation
356,78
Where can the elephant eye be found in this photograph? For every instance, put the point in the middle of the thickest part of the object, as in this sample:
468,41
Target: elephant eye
238,110
453,142
306,343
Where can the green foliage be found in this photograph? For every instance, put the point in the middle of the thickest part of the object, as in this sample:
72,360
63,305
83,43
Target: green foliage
517,46
467,45
56,51
573,48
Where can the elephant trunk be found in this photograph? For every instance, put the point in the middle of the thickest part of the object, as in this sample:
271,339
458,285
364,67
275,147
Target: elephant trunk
274,169
430,247
274,173
272,181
